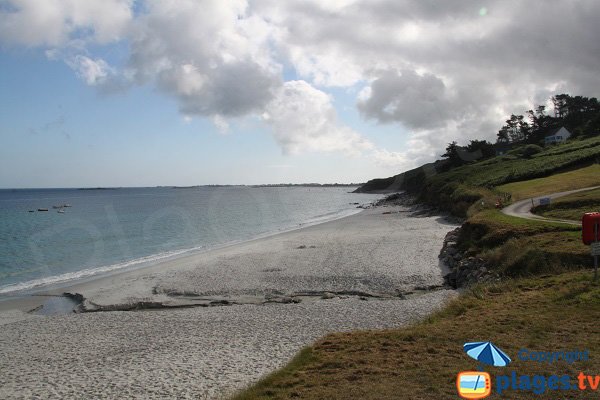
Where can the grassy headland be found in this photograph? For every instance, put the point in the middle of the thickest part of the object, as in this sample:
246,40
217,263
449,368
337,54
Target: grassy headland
546,300
458,189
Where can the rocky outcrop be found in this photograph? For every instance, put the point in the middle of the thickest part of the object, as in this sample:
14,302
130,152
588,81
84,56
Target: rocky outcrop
465,270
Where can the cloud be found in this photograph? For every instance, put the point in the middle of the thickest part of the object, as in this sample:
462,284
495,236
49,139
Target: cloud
221,124
487,63
441,70
93,72
57,22
304,119
210,55
417,101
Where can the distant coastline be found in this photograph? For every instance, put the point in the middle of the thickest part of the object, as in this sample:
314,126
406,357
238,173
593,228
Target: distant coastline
275,185
309,185
100,188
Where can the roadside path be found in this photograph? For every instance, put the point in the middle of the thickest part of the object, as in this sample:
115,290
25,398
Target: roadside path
522,208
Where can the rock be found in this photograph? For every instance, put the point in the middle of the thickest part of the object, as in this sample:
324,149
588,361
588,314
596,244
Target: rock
220,303
288,300
328,296
303,246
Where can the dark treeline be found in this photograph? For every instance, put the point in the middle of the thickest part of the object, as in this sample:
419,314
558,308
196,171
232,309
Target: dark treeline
579,114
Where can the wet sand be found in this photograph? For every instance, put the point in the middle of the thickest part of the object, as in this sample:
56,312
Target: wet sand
252,307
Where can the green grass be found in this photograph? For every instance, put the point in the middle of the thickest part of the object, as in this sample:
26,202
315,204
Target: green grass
580,178
572,207
443,189
421,362
516,247
546,306
501,170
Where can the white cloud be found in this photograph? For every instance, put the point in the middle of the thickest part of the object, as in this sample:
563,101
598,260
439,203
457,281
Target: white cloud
211,55
459,68
393,159
417,101
420,150
221,124
443,70
93,72
304,119
56,22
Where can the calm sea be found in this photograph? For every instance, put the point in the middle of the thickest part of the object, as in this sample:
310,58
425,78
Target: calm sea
107,230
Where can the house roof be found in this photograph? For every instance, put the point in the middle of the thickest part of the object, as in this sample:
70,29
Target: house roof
555,131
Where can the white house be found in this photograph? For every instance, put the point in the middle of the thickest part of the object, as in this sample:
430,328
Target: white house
559,135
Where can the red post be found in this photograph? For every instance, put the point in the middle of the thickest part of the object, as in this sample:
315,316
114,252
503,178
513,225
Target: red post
595,256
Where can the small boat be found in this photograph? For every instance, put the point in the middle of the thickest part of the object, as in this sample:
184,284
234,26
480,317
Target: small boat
31,211
61,211
42,209
66,205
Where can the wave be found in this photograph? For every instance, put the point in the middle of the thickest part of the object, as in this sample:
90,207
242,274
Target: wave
86,273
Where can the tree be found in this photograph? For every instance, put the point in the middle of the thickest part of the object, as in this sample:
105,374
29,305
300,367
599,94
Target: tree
533,119
523,128
503,135
486,148
452,155
560,105
540,111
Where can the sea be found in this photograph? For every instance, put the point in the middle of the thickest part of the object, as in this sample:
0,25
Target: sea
99,231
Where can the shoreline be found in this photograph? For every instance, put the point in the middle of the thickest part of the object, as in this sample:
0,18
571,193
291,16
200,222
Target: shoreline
211,352
30,298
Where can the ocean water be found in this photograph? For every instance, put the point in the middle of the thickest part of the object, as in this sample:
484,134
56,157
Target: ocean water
108,230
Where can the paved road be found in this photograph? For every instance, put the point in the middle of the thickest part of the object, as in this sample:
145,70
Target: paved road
522,208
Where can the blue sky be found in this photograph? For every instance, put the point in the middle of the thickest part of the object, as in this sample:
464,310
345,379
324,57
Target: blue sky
147,92
59,132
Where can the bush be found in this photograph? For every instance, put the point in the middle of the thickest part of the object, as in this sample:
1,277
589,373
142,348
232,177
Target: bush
526,151
516,258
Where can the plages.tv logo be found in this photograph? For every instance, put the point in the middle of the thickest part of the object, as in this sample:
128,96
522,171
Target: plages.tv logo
478,384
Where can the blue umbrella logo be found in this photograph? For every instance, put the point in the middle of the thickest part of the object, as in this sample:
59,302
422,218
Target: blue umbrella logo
487,353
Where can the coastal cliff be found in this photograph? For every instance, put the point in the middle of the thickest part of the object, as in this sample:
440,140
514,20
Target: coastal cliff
410,181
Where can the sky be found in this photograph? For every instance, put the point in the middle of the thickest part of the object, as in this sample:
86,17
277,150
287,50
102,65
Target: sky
184,92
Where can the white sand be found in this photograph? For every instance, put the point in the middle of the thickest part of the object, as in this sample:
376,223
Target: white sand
210,352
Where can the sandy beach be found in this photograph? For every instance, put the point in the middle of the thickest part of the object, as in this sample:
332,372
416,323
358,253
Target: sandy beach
222,319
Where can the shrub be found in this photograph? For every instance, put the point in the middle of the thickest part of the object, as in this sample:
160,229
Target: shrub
526,151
